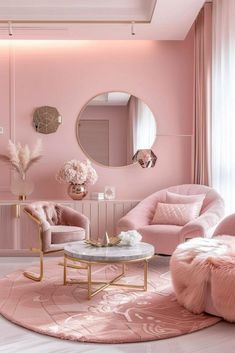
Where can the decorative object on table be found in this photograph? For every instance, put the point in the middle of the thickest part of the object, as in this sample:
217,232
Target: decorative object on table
77,191
21,159
98,196
112,316
131,237
106,241
78,175
109,192
46,119
146,158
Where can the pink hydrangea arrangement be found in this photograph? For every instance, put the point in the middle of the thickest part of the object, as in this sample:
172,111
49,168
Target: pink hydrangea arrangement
76,172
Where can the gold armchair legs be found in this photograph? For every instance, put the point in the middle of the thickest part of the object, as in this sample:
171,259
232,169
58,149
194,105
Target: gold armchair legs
33,276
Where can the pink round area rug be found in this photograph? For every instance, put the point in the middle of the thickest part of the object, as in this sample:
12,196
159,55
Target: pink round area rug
115,315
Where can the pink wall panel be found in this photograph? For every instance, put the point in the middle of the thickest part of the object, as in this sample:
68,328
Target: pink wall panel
66,74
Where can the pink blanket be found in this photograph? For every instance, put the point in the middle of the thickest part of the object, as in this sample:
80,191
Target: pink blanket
204,267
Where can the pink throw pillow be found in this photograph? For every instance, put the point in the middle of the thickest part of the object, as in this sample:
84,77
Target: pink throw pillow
176,214
179,198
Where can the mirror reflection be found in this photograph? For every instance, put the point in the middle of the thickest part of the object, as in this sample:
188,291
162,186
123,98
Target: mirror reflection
113,126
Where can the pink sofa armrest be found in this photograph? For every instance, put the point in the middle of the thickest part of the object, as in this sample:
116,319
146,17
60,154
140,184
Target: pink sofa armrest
35,214
204,223
69,216
138,217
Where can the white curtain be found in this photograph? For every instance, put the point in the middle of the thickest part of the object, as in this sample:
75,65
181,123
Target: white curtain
141,127
223,101
145,127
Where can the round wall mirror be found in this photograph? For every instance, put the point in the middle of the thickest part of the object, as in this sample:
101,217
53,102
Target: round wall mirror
113,126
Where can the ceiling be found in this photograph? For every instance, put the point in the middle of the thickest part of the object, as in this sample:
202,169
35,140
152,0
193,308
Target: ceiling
98,19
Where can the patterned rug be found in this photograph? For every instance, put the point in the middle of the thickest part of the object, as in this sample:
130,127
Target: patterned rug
115,315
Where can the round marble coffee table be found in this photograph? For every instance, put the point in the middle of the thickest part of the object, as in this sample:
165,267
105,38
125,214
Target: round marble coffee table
89,255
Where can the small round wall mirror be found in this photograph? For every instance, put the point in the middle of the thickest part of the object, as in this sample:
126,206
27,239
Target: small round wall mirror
113,126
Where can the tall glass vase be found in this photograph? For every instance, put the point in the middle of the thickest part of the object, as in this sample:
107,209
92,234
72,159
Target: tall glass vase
21,187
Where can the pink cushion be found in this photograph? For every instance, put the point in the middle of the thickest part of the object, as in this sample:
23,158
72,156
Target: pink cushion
65,234
171,197
177,214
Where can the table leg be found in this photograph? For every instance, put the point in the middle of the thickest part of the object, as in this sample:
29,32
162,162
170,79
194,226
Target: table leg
145,274
65,270
89,280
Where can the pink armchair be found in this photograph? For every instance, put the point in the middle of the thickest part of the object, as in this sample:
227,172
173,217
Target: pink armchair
164,237
56,226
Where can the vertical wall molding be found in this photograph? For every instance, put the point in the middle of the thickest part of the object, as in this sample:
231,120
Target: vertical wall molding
11,102
12,90
12,98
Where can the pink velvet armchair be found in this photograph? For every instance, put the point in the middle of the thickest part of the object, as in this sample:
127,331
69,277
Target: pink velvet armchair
56,226
166,237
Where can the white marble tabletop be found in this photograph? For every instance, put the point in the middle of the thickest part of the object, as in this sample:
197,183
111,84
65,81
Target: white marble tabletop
81,250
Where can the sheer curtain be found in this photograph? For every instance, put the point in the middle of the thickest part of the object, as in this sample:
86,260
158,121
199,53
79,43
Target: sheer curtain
223,101
145,127
142,127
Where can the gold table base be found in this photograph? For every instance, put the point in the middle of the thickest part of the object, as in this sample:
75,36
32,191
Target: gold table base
104,284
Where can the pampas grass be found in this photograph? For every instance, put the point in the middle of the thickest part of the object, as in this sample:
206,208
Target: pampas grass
21,158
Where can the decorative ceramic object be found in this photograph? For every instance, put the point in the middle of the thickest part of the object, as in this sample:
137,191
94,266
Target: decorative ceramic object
107,241
77,191
109,192
78,175
97,196
146,158
46,119
131,237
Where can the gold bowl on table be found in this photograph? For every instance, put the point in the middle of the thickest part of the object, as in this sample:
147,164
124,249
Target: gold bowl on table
107,241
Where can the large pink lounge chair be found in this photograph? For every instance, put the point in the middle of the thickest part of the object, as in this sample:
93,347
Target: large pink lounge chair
166,237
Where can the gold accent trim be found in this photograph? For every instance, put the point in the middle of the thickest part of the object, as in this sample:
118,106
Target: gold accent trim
39,250
31,275
17,211
105,284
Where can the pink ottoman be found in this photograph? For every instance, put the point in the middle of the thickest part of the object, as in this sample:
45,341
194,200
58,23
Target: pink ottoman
203,275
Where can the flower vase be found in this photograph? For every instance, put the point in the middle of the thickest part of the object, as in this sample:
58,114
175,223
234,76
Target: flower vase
21,187
77,191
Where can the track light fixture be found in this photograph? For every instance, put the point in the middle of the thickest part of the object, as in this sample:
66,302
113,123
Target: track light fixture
10,29
132,28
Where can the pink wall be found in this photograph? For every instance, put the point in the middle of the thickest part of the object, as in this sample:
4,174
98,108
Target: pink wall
66,74
118,118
